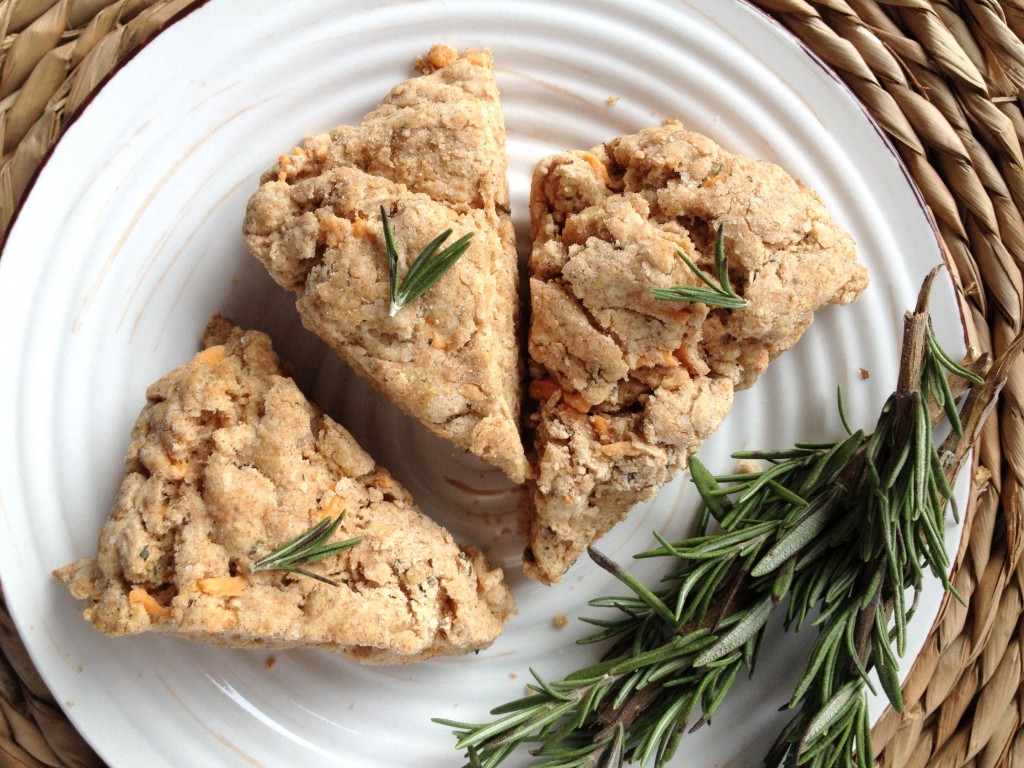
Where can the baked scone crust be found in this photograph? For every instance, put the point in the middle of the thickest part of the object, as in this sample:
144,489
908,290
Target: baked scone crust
628,386
433,155
228,461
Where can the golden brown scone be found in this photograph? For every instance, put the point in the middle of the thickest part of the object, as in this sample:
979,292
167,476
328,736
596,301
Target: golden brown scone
629,386
433,154
228,461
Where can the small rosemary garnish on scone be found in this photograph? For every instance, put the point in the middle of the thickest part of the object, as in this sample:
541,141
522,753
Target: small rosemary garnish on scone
840,530
720,295
425,269
307,548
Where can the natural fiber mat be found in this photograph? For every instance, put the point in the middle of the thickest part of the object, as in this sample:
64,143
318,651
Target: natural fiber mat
944,80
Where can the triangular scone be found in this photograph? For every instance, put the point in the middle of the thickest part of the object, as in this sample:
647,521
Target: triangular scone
629,385
228,462
433,155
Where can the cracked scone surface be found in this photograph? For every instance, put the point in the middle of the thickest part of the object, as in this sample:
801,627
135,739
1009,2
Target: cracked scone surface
629,386
228,461
433,155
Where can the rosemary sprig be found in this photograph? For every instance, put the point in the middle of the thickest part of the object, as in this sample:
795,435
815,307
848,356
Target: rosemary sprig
425,269
837,531
307,548
720,295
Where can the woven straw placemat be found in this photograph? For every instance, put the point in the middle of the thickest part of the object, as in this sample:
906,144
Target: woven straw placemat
944,81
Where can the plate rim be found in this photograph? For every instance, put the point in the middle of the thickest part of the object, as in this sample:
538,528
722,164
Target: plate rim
964,318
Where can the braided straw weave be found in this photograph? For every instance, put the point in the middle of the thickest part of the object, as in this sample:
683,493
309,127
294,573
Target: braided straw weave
944,80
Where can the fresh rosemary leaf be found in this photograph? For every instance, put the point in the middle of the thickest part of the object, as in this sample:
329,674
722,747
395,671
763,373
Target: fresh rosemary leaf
707,572
947,362
547,689
788,495
723,688
714,295
805,532
854,653
889,678
679,710
425,270
782,583
761,479
615,754
752,623
841,703
635,584
707,486
577,758
307,548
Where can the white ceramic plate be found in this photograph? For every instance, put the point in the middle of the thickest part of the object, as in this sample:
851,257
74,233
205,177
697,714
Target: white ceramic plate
130,240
